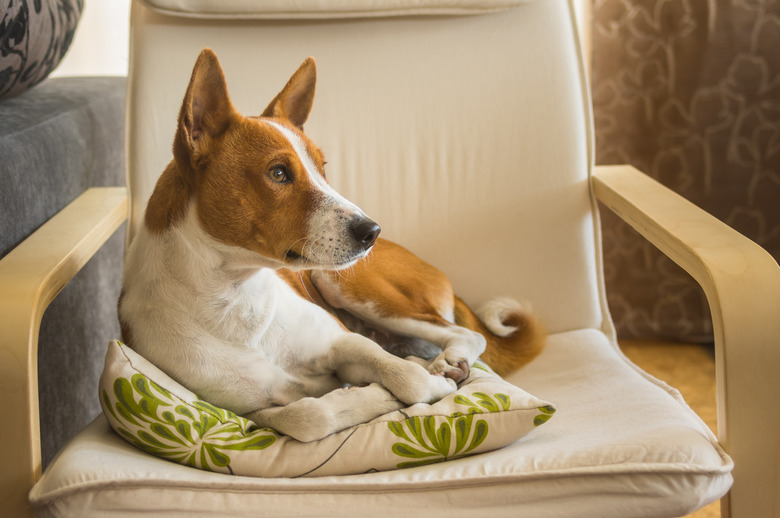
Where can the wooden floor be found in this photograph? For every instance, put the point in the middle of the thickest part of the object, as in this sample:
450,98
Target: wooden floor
691,370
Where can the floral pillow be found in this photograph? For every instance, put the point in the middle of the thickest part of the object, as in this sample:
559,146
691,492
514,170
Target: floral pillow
156,414
34,36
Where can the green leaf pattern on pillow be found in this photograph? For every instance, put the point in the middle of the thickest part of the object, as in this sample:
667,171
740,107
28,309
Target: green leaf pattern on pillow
198,435
547,412
428,441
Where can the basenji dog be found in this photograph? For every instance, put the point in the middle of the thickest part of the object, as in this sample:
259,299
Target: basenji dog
246,282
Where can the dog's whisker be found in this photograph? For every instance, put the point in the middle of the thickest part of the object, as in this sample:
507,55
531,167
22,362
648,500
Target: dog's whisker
300,276
304,252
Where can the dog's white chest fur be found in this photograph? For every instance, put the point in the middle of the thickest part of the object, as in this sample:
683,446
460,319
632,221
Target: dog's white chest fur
222,309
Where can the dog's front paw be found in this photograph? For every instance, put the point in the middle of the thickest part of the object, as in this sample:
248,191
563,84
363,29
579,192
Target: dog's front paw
374,399
443,386
419,386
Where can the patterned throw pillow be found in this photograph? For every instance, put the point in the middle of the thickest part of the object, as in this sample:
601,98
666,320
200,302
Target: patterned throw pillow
34,36
156,414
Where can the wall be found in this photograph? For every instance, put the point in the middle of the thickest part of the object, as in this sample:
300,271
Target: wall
101,42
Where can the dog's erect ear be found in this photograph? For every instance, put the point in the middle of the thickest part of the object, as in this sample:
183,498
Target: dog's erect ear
295,100
206,109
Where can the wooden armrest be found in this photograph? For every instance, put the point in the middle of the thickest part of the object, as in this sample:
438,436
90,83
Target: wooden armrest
31,275
742,285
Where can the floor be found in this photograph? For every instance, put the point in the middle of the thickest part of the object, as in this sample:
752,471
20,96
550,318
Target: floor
690,369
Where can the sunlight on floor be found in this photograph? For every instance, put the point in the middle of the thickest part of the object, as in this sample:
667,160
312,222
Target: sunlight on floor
691,370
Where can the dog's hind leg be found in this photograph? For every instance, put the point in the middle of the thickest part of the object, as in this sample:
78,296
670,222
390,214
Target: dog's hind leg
310,419
396,291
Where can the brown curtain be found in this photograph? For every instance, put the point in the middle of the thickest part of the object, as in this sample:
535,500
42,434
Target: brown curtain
689,92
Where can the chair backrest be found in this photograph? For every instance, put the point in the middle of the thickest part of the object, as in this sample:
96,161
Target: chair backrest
462,127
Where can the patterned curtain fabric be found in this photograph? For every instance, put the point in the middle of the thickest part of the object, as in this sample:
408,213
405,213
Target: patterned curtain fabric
689,92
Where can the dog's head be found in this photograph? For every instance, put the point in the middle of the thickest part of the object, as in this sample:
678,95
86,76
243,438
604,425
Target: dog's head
258,183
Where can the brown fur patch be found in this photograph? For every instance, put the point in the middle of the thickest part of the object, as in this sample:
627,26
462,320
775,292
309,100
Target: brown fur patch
400,283
239,204
168,203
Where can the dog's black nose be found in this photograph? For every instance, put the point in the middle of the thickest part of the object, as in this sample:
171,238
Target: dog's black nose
365,231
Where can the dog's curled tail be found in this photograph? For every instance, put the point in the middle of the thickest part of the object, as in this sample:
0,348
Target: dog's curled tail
514,335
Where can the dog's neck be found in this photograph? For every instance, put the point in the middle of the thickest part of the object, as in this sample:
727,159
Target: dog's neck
222,289
190,257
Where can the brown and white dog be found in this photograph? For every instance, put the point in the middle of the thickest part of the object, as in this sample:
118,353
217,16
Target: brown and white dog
245,282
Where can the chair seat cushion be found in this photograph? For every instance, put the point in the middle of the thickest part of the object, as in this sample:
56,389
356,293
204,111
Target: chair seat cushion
621,444
158,415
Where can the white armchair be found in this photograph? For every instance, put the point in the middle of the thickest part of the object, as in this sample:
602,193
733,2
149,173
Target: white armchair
464,128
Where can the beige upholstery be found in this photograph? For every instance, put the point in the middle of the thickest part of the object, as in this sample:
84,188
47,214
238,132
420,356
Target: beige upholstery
437,115
468,138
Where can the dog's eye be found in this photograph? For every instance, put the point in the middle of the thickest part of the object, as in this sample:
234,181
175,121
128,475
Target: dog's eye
279,174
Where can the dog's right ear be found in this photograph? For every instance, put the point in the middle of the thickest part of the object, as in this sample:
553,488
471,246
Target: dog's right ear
295,100
206,110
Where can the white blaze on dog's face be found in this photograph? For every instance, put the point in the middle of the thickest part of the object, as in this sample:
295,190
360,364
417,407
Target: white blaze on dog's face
258,182
338,232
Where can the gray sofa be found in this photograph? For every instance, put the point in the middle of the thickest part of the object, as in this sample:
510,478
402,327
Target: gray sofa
57,140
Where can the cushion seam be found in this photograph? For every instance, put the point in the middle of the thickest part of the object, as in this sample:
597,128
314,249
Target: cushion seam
405,487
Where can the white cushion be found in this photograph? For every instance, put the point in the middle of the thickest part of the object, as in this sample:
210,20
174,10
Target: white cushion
276,9
621,444
155,413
